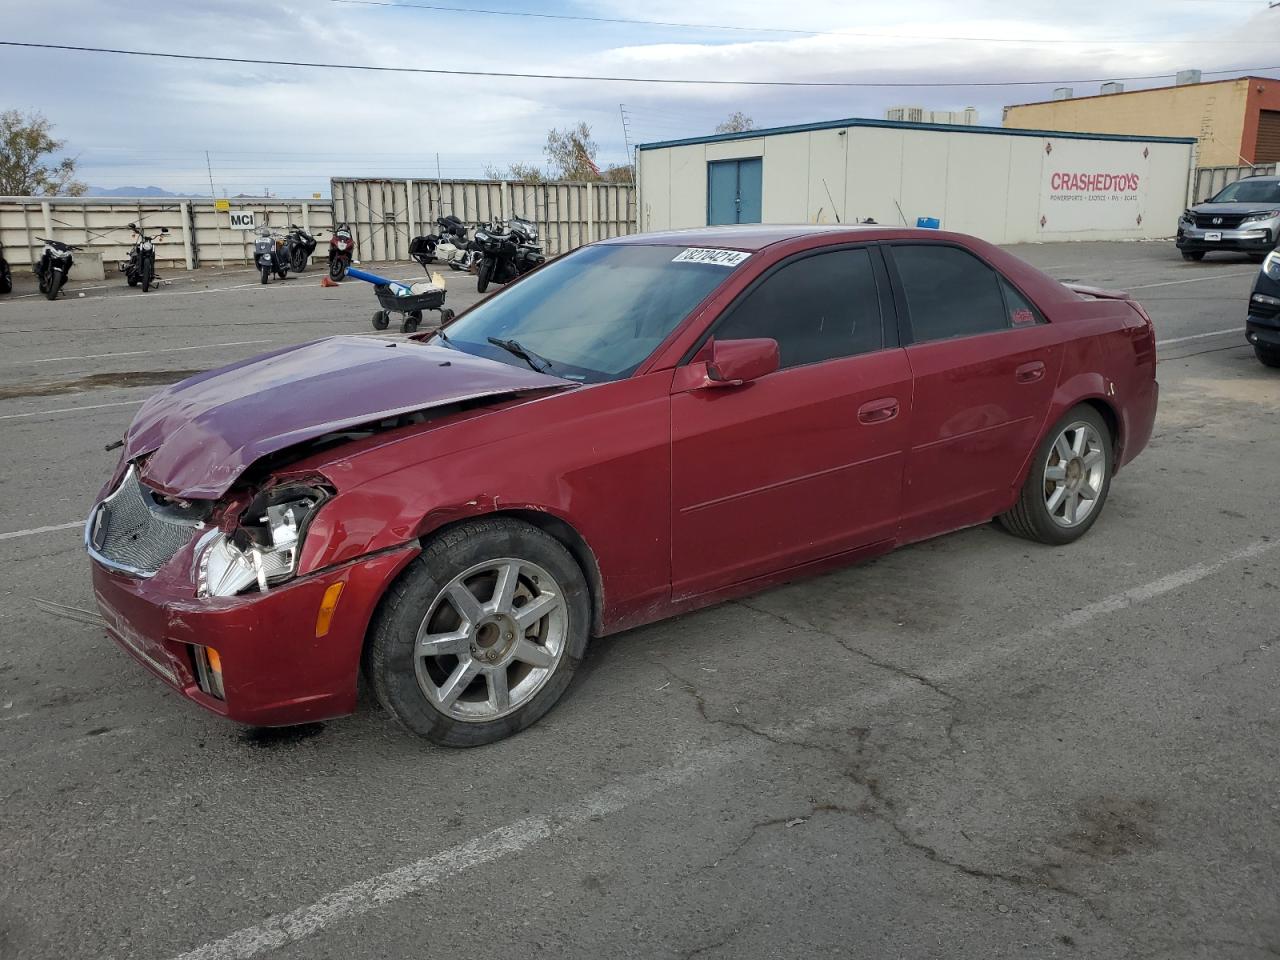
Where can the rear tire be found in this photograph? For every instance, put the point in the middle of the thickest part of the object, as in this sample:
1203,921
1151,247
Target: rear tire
1267,356
485,274
410,322
495,671
1074,460
6,278
1193,255
381,320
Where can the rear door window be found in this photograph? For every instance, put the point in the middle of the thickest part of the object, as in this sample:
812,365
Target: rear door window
950,292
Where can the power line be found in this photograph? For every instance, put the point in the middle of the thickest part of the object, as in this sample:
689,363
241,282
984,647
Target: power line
626,21
681,81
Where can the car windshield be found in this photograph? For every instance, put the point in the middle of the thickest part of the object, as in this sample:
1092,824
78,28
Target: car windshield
1249,191
593,315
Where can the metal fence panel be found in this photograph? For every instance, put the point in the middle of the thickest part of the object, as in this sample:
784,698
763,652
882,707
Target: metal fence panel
386,214
1209,180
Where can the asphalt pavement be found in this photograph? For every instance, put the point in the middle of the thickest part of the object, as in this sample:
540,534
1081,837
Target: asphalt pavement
975,747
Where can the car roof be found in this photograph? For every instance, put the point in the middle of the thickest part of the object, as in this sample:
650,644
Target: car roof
757,236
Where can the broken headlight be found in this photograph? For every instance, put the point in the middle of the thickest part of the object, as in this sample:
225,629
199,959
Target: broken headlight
263,550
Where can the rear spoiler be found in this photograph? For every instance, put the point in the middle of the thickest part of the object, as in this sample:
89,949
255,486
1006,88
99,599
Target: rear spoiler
1096,293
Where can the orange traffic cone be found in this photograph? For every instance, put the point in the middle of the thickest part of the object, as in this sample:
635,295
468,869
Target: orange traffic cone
327,281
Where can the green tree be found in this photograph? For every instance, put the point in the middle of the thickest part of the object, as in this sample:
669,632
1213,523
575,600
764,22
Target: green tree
25,141
522,172
736,122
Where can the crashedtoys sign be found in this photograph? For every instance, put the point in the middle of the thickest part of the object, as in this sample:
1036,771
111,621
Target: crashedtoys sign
1086,186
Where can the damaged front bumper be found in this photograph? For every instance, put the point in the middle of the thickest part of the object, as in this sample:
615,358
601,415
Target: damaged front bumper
276,665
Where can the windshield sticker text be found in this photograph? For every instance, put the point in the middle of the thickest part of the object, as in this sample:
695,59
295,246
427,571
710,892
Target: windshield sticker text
721,258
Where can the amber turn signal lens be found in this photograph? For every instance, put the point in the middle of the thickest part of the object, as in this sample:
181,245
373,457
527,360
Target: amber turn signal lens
327,607
215,661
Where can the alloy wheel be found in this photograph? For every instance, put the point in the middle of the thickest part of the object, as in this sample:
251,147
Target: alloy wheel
491,640
1074,474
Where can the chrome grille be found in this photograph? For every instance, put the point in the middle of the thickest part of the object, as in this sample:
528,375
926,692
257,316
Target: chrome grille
128,532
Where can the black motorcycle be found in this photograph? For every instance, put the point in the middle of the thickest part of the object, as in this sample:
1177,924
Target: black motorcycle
269,255
506,252
342,250
299,246
140,268
54,266
6,278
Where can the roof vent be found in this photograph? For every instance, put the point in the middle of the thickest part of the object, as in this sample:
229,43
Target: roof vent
1112,87
1063,93
1183,77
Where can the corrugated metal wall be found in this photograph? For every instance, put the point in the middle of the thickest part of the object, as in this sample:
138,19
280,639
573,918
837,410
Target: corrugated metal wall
387,214
198,234
1209,180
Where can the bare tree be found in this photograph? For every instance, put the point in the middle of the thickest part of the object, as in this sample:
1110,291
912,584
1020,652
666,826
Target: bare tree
25,141
571,153
523,172
736,122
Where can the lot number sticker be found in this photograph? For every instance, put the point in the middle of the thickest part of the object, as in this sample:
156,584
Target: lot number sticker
721,258
242,220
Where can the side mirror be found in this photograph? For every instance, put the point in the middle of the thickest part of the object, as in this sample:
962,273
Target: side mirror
164,229
132,226
735,362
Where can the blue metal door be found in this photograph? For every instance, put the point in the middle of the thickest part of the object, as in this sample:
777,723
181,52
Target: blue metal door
734,191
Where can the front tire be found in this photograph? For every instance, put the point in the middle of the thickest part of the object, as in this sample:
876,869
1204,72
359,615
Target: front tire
266,275
298,260
56,277
337,269
148,274
1196,255
481,635
6,278
485,274
1068,482
1267,356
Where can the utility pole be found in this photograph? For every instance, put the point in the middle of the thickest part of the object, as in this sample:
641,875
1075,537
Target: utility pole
217,227
440,189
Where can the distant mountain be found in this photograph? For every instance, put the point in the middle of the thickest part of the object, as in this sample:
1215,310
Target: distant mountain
133,192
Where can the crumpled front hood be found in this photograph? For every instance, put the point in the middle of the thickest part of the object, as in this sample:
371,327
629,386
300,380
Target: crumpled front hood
203,432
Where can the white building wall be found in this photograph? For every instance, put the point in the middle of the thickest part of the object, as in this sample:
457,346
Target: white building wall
995,186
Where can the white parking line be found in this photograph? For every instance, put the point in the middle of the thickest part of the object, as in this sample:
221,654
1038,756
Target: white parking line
1200,336
1170,283
91,406
364,896
15,534
142,353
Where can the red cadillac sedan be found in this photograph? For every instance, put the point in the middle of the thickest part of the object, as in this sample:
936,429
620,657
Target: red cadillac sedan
645,426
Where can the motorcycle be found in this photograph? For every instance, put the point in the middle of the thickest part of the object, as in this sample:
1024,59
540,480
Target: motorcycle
269,255
342,248
140,268
506,252
300,245
54,266
6,278
449,246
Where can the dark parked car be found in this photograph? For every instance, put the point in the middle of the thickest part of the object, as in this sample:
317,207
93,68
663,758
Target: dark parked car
1262,329
1243,217
642,427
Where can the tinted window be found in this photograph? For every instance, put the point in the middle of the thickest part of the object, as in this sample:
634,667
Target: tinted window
1022,312
594,314
817,308
950,293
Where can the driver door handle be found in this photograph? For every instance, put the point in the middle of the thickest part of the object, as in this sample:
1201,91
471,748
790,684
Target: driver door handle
878,411
1030,372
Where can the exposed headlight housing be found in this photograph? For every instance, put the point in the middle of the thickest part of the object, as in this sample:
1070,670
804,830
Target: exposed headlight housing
1271,265
263,551
1261,215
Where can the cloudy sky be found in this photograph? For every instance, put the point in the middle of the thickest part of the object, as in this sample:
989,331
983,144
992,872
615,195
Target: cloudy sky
138,122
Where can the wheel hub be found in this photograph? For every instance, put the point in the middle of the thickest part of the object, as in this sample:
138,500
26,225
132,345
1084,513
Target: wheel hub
493,641
1075,471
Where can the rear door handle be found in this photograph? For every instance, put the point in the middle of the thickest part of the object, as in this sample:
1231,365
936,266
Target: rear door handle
1030,372
878,411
